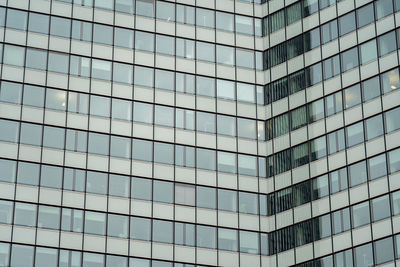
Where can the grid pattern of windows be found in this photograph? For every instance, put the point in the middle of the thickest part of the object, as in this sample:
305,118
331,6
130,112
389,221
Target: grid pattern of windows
199,133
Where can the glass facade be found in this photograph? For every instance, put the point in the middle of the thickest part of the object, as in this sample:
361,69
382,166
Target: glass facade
199,133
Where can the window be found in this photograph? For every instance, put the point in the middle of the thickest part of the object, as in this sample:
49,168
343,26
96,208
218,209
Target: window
205,51
184,234
80,66
380,208
164,80
206,197
331,67
322,227
28,173
295,46
374,127
383,8
11,92
95,223
76,141
277,20
316,110
60,27
246,128
226,162
122,73
162,231
368,52
141,188
31,134
363,255
371,88
56,99
394,160
341,220
17,19
383,250
164,116
245,92
142,150
355,134
227,239
163,153
320,187
205,122
74,179
338,180
227,200
7,170
120,147
318,148
249,242
365,15
72,220
143,112
14,55
205,159
377,167
81,30
98,143
204,18
140,228
101,69
49,217
38,23
390,81
185,48
225,55
51,176
121,109
248,203
117,225
347,23
244,25
281,124
96,182
21,255
360,214
104,4
145,8
392,121
25,214
329,31
6,212
311,39
164,44
184,194
165,11
293,13
206,236
125,6
349,59
224,21
184,14
300,156
358,173
144,41
313,74
226,89
387,43
184,119
9,132
184,83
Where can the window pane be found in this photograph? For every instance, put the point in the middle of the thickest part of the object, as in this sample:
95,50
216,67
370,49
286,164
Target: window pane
165,11
205,18
387,43
360,214
205,51
142,150
358,173
51,176
22,255
25,214
98,143
96,182
119,185
363,256
122,73
224,21
144,76
140,228
374,127
365,15
227,239
9,132
371,88
28,173
49,217
227,200
206,197
56,99
383,8
60,27
145,8
120,147
390,81
95,223
349,59
11,92
163,153
377,167
368,52
16,19
355,134
123,37
7,170
383,250
141,188
14,55
117,225
143,112
380,208
162,231
347,23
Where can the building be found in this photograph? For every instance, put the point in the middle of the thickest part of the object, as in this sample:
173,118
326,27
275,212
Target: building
199,133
